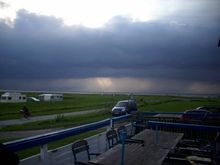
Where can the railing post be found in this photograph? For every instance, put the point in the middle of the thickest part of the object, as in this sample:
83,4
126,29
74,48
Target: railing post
122,139
157,135
111,126
44,154
112,123
99,143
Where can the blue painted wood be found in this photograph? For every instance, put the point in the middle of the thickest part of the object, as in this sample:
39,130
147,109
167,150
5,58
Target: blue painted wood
116,119
155,113
179,113
50,137
155,124
25,143
123,147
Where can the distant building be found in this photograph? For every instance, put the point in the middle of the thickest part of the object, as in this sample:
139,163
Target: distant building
13,97
51,97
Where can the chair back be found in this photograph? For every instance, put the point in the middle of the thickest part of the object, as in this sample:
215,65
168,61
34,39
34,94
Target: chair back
121,129
80,146
112,138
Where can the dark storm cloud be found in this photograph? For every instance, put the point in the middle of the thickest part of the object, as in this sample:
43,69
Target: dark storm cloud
3,5
41,47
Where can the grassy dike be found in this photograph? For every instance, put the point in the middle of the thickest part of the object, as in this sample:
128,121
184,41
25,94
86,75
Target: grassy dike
81,102
60,122
71,103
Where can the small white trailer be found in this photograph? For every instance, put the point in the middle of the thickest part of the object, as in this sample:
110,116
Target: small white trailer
51,97
13,97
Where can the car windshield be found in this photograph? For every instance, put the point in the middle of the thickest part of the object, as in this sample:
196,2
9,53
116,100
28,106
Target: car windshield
211,109
121,104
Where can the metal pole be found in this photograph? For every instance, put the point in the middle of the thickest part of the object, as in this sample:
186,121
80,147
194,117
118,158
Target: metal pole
157,136
123,147
44,154
112,123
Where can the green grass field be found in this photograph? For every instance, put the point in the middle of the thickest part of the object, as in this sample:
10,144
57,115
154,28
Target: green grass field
80,102
175,104
71,103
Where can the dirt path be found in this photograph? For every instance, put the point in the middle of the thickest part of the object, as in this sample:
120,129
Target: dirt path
46,117
24,134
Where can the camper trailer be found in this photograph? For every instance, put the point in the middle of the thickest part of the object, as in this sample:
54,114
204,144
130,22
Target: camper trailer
13,97
51,97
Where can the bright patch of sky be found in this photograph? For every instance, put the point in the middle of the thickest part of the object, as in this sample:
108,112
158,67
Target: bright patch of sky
138,46
93,13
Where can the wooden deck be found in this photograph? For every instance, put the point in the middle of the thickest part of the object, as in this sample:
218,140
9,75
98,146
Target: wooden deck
156,147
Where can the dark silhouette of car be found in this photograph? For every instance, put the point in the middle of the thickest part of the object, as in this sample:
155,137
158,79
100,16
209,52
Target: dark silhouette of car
209,108
123,107
202,114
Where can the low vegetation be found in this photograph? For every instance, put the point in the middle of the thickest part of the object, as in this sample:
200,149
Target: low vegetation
71,103
59,122
80,102
175,104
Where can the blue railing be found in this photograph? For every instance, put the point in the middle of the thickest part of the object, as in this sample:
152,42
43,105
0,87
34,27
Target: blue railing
180,113
39,140
167,113
157,125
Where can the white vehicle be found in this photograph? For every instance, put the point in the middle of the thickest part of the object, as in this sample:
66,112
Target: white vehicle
123,107
32,99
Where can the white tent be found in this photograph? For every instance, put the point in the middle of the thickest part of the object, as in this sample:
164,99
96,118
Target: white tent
13,97
51,97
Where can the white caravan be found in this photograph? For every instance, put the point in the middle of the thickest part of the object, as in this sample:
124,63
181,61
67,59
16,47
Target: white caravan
51,97
13,97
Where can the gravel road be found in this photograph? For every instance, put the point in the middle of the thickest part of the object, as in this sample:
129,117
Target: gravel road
46,117
23,134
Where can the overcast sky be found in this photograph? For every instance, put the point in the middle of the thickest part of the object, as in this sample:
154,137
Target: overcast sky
110,46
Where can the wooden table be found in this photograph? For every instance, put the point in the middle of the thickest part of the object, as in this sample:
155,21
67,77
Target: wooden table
156,147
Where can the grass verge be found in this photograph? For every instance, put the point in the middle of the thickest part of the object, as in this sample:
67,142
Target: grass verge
59,122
